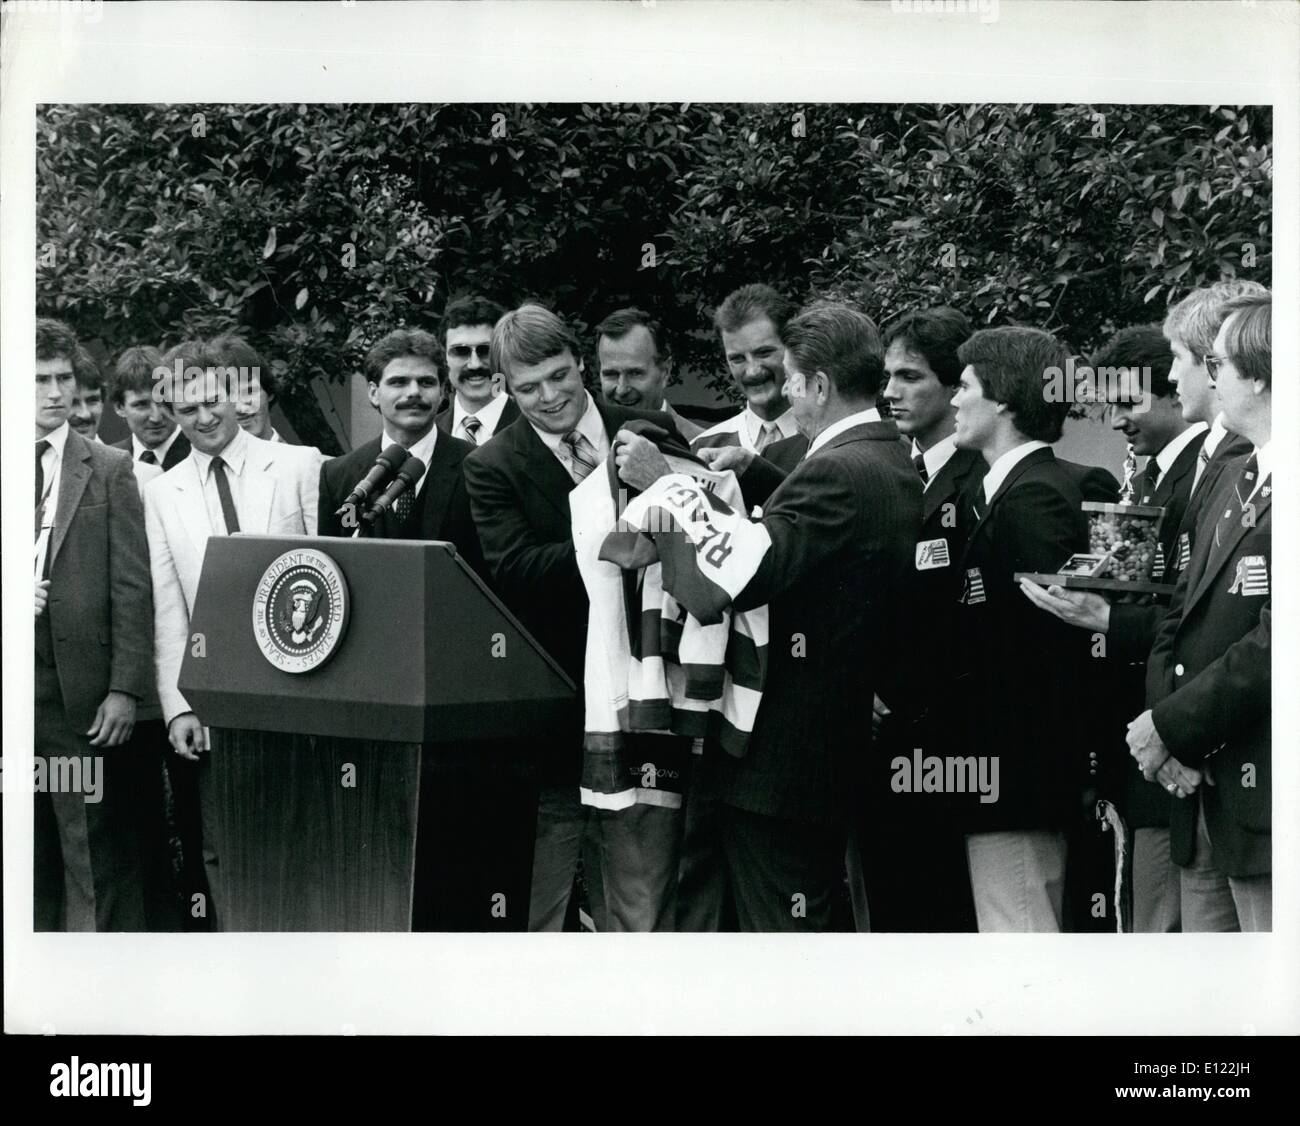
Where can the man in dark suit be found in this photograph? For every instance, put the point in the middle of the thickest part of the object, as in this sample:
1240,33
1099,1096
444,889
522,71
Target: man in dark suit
1133,369
1018,672
476,814
842,527
155,443
1206,733
519,486
94,662
479,405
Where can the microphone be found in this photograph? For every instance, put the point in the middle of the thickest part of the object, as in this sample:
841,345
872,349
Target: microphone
385,465
411,471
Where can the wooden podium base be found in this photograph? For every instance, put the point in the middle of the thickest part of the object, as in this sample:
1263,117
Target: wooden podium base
313,833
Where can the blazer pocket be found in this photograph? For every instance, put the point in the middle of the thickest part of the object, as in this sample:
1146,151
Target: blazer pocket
290,524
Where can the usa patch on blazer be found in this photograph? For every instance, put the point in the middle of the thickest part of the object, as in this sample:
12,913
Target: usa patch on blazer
973,592
1251,579
1184,550
931,554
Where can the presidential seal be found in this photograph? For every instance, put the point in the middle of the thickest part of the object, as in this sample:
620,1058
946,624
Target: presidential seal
300,610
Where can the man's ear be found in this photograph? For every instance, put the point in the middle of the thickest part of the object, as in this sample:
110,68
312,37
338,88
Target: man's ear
119,409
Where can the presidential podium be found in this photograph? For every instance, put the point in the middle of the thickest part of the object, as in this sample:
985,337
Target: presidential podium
324,669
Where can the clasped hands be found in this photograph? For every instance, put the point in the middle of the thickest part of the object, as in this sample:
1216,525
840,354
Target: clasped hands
1155,761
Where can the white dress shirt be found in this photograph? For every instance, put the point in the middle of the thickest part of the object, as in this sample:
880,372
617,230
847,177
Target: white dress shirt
423,449
1218,430
591,426
936,457
1006,463
753,425
858,418
1166,457
52,468
489,415
144,472
1264,466
233,458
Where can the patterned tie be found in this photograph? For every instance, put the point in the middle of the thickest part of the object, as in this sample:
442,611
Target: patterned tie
1202,460
919,461
766,436
403,505
41,447
1150,480
223,492
471,425
149,457
582,456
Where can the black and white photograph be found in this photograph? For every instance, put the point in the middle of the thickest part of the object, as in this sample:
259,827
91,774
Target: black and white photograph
505,469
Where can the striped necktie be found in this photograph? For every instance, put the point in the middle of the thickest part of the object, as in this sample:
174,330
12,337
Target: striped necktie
919,461
582,457
471,425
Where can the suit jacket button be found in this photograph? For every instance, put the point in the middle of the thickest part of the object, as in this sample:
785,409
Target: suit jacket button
1178,670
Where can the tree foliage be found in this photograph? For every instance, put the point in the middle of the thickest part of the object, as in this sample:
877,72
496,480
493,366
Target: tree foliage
318,228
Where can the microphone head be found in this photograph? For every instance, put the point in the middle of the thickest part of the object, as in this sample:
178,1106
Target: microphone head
413,469
393,457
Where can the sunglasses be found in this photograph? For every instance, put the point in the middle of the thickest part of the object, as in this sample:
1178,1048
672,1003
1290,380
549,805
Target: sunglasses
1213,364
464,351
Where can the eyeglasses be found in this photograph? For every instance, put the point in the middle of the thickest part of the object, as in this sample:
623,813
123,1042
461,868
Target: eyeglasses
464,351
1213,364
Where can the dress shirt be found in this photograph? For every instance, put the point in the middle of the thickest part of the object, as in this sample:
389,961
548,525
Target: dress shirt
936,457
233,457
591,426
489,415
858,418
52,468
1006,463
754,426
423,449
1166,457
1263,466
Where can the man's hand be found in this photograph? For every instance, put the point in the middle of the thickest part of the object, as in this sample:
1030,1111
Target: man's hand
186,735
878,713
1080,608
114,721
640,464
1179,780
1146,746
722,458
42,595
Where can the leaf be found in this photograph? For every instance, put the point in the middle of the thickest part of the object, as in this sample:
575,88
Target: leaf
1157,217
1150,294
269,248
301,299
1179,196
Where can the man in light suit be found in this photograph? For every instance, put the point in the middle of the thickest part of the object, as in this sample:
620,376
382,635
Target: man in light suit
1019,674
750,323
93,664
479,405
230,482
519,485
842,524
1206,733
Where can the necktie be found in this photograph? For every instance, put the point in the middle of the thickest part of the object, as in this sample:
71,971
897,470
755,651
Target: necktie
1150,480
403,505
471,425
919,461
1202,460
41,447
223,492
581,455
149,457
766,436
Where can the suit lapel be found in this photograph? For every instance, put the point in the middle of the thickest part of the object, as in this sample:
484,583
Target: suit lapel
1018,470
73,476
948,482
259,488
1224,536
192,505
438,484
541,468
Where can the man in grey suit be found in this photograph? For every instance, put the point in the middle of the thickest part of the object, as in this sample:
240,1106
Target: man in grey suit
94,661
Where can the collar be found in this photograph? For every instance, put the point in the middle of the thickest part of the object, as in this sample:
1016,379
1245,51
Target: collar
754,425
1166,457
58,439
835,429
1217,430
423,449
138,447
590,426
488,414
233,456
1264,463
936,457
1006,463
